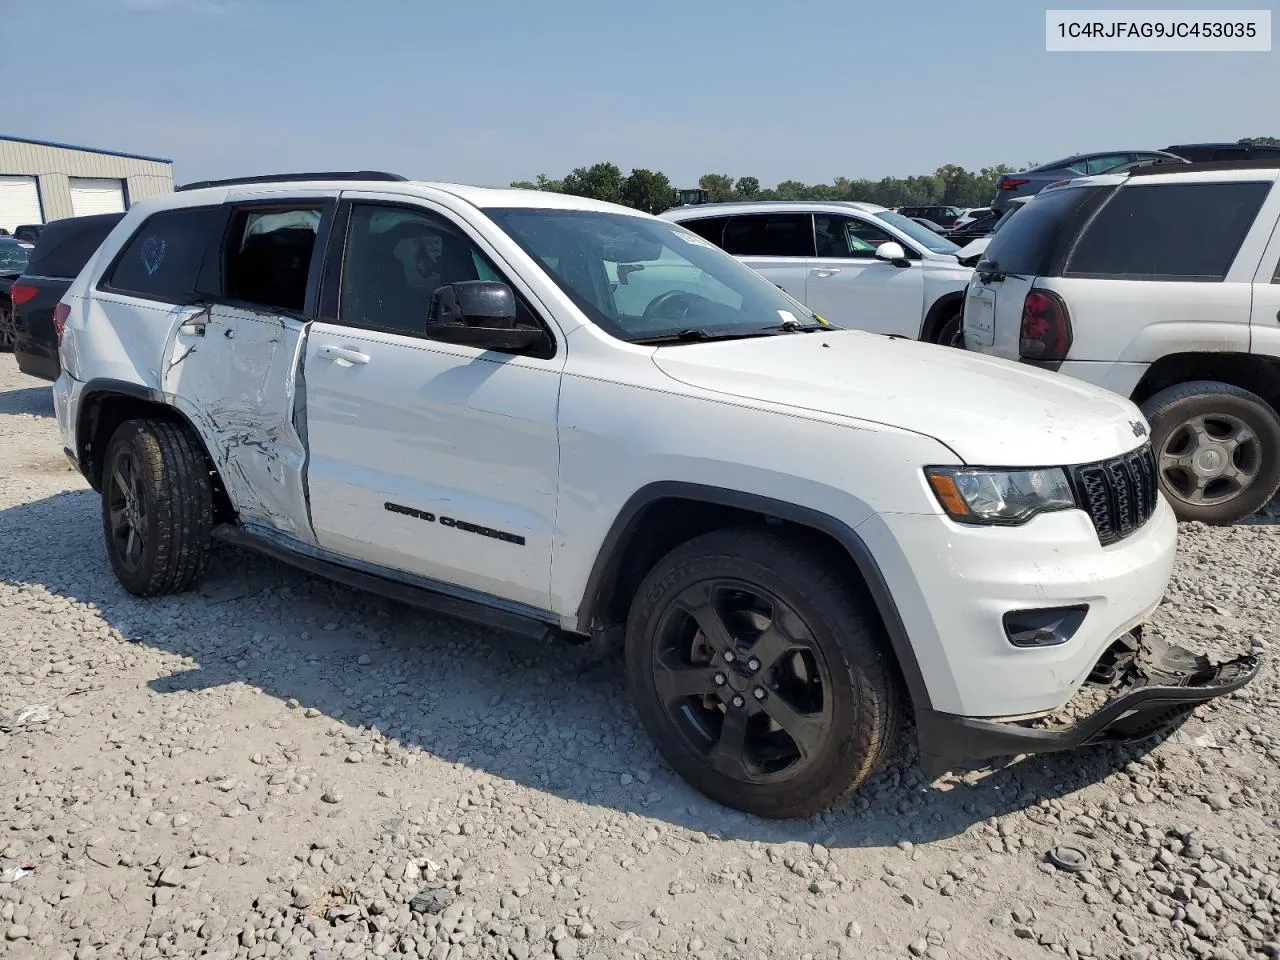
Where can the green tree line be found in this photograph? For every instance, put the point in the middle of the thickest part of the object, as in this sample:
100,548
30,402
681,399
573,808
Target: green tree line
653,192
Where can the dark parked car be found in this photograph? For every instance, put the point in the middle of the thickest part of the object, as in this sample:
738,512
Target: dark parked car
13,260
28,232
935,227
1028,183
65,246
979,226
941,215
1211,152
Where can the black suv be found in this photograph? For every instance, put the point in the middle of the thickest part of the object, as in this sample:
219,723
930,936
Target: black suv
941,215
63,249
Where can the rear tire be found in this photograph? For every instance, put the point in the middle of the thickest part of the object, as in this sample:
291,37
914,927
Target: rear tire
801,702
1217,450
157,507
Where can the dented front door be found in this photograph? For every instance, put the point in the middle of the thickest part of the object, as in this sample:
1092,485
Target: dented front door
234,372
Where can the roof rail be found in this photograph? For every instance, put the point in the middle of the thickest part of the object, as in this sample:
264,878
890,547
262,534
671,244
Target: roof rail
1204,166
290,177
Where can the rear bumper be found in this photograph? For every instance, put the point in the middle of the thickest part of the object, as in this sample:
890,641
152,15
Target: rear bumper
35,361
1154,685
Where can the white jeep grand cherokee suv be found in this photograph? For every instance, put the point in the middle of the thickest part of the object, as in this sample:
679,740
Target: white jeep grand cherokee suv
858,264
562,417
1163,285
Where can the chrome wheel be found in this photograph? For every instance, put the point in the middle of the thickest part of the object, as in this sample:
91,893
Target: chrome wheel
1210,459
127,518
741,676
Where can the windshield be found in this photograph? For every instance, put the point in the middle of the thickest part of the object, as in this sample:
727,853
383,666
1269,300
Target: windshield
13,256
640,278
921,234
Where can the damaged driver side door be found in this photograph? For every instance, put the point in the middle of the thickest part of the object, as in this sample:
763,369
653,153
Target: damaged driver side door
232,363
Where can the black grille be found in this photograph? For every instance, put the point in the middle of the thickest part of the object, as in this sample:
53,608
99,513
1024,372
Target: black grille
1119,494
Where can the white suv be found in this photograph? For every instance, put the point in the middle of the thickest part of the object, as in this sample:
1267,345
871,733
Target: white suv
565,418
858,264
1164,286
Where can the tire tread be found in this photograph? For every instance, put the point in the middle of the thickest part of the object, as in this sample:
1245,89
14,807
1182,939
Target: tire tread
180,501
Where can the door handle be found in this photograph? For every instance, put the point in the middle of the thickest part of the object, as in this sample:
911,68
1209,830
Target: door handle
196,320
342,354
825,271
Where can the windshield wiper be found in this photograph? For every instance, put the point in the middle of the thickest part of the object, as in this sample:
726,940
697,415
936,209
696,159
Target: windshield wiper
697,335
795,326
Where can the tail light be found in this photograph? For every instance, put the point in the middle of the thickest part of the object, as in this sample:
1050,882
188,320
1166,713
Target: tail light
1012,183
1046,327
21,293
60,314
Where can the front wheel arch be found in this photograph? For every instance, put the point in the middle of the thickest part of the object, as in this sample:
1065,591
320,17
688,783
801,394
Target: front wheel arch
700,509
944,308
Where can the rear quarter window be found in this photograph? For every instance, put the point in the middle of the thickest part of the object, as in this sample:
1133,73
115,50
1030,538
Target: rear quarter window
162,260
1035,242
1168,231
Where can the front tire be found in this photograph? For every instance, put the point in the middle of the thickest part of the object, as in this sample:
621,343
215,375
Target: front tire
1217,450
759,675
157,507
8,332
952,332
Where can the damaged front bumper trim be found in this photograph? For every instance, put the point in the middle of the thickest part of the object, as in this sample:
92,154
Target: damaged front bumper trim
1155,686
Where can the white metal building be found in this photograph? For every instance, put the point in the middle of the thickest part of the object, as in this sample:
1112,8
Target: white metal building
41,181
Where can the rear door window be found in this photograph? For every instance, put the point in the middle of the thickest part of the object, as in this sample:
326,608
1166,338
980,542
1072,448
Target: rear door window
162,259
1169,231
267,260
708,228
1035,242
770,235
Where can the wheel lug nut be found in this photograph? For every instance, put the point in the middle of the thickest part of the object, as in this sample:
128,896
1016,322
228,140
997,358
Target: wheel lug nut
753,663
737,700
729,656
719,679
758,693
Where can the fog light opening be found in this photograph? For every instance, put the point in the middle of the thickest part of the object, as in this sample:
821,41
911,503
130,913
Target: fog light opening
1045,627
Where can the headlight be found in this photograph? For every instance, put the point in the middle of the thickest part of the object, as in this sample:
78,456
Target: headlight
999,496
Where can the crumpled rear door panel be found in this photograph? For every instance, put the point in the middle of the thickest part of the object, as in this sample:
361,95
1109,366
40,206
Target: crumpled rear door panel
237,380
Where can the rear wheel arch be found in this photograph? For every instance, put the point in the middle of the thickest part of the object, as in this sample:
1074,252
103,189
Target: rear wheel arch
1248,371
107,404
663,515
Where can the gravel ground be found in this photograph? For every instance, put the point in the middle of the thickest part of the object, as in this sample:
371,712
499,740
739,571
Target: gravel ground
275,766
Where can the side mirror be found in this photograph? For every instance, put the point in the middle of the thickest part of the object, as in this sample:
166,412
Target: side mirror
478,313
893,252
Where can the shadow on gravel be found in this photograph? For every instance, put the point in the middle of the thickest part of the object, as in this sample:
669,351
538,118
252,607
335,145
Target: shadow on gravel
37,401
545,716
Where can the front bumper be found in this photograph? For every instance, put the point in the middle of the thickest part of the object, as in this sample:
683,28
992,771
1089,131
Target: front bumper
1154,686
954,584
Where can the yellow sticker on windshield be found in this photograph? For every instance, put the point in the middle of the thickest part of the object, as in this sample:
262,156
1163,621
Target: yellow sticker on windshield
821,320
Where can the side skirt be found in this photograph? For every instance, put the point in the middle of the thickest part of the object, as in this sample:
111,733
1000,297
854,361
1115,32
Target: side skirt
420,592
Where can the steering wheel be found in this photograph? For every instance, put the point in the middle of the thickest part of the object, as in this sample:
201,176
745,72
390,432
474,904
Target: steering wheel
679,299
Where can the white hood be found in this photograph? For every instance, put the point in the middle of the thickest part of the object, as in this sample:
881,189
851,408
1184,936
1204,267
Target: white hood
990,412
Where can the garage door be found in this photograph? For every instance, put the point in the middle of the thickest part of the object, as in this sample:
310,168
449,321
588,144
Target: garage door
19,202
90,196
